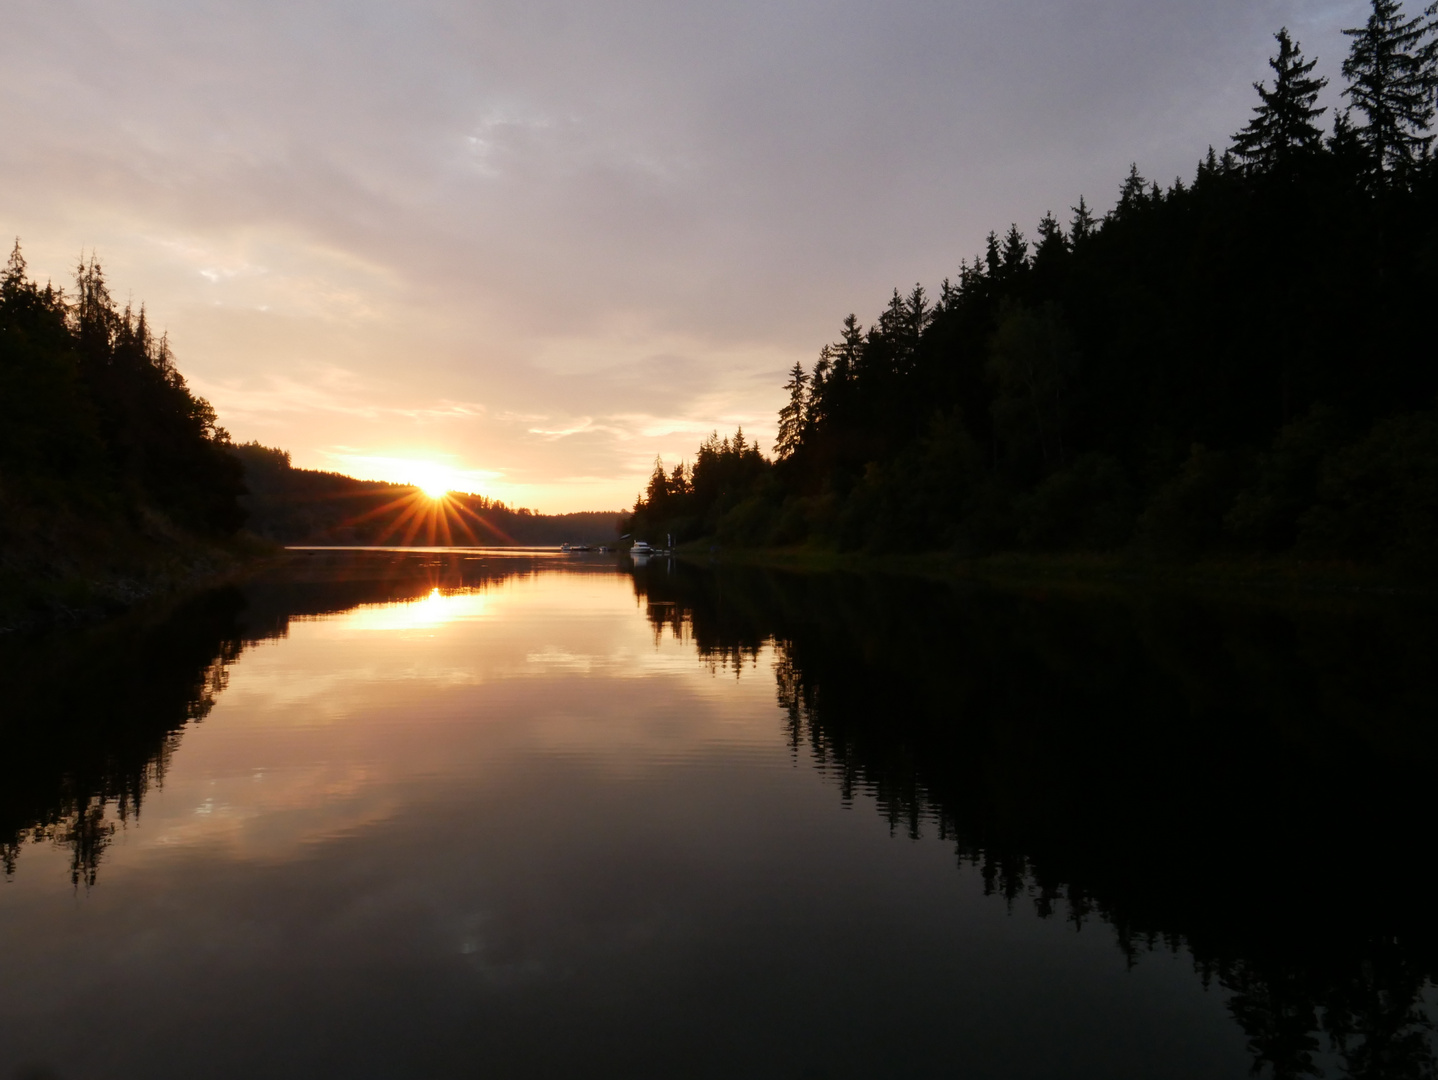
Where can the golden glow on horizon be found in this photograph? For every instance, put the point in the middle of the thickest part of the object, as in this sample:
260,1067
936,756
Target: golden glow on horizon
434,479
432,513
436,476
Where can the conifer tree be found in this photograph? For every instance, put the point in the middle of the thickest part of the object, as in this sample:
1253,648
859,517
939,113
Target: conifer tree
1428,57
657,492
893,322
850,349
1207,169
14,279
1389,68
1016,251
814,405
1283,120
992,259
1051,238
918,314
791,416
94,312
1131,195
1083,224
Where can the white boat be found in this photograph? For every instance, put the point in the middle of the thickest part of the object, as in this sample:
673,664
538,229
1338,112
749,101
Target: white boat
641,547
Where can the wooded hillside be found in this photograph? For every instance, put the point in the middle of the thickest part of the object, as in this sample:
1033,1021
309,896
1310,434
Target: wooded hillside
111,472
306,506
1243,362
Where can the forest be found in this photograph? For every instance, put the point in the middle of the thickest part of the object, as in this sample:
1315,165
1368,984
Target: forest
113,476
1239,364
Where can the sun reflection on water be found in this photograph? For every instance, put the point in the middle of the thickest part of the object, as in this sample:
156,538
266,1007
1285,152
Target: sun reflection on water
433,610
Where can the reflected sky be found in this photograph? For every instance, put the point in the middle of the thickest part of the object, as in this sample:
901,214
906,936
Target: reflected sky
336,726
526,829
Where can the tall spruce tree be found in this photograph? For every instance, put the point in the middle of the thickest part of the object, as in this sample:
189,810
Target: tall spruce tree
1131,195
1389,69
1084,224
791,416
849,352
1283,121
814,406
1051,236
992,259
1015,253
1428,54
656,494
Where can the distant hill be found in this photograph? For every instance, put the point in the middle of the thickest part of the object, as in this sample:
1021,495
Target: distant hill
306,506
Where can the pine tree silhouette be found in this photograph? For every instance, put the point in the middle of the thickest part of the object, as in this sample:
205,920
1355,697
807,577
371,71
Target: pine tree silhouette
1283,121
1391,84
791,416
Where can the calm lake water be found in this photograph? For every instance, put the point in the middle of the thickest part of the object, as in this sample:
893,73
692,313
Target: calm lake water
429,814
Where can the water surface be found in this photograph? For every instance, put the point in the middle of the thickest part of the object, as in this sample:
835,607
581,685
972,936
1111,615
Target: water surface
461,814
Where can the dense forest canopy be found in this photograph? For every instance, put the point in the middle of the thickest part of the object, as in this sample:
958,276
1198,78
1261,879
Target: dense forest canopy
105,455
1240,363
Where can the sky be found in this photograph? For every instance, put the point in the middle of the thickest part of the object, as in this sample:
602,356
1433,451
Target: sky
532,244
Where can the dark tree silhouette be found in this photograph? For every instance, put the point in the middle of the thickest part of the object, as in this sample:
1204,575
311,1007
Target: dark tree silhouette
1283,120
114,477
1391,86
792,415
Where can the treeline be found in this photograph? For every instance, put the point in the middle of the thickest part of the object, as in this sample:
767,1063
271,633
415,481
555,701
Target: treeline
106,458
1240,363
307,506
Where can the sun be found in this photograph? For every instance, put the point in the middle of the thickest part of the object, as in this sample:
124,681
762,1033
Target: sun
435,480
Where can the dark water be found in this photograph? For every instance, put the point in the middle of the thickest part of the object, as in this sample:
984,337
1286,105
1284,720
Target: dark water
434,815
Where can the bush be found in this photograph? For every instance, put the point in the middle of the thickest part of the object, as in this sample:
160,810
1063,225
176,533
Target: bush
1378,498
1090,506
1185,516
1265,516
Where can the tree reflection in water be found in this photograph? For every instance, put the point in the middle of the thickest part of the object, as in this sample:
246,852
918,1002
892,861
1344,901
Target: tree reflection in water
92,718
1248,783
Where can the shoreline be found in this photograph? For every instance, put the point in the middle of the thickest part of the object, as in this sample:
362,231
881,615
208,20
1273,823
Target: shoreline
57,596
39,594
1090,572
